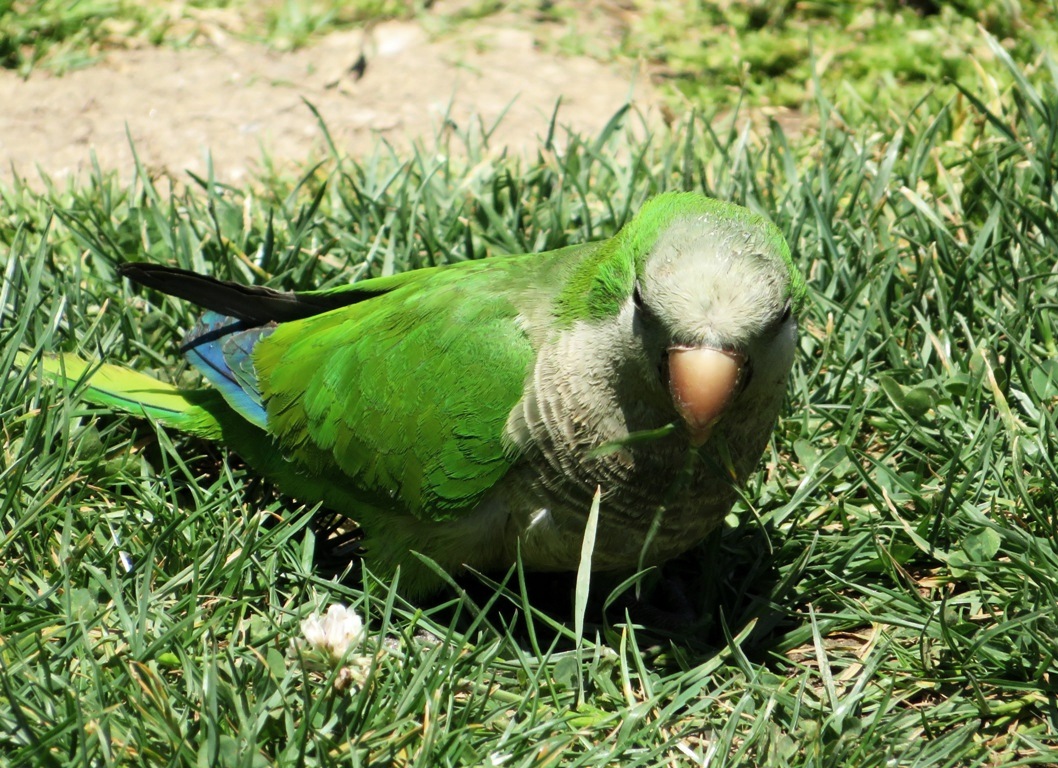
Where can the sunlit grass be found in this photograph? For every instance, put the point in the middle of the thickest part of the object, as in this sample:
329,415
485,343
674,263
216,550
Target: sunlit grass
873,56
887,597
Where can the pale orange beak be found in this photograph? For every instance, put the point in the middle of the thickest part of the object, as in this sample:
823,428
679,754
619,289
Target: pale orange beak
703,382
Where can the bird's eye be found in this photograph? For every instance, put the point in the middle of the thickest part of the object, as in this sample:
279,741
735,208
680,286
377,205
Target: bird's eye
785,313
637,298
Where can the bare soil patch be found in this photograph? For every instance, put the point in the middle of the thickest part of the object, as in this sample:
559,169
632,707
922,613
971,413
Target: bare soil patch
234,100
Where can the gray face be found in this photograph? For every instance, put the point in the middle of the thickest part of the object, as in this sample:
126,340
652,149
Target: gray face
711,282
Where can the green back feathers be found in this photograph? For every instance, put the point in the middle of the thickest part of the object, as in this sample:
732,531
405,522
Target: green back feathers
406,396
602,283
599,285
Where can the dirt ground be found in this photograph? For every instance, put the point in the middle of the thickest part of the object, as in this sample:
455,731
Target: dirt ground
234,99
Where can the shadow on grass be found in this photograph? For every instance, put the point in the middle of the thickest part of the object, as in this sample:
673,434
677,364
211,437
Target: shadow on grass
733,588
727,589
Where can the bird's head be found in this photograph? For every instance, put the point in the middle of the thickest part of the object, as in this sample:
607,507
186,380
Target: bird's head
716,294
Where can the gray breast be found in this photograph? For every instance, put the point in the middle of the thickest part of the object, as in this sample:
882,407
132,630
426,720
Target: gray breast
659,497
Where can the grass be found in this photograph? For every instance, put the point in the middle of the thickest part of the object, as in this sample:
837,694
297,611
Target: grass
873,55
877,55
59,35
887,593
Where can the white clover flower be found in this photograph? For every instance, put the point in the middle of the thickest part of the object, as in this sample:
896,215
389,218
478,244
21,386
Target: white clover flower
335,632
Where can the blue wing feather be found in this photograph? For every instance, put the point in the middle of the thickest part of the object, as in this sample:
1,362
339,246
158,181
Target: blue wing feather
221,348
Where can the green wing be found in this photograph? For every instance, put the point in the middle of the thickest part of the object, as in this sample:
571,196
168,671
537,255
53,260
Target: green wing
406,393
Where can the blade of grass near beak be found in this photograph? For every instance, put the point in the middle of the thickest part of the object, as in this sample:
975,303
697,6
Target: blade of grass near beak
580,595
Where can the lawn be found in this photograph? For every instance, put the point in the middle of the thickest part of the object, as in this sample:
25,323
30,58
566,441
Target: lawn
886,593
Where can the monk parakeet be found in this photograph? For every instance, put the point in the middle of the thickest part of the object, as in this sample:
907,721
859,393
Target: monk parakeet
469,412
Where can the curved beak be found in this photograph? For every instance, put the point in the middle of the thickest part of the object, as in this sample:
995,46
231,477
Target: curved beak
703,382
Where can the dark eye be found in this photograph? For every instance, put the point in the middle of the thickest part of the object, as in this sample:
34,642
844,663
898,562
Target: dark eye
637,298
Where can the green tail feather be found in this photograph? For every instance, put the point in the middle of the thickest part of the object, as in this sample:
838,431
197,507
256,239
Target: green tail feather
205,413
199,412
196,411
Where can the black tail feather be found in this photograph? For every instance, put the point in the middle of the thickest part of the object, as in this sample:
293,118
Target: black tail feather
253,303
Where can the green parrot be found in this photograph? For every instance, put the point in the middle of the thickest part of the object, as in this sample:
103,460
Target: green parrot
469,412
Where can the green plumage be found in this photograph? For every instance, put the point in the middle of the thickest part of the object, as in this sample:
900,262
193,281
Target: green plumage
460,411
440,363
